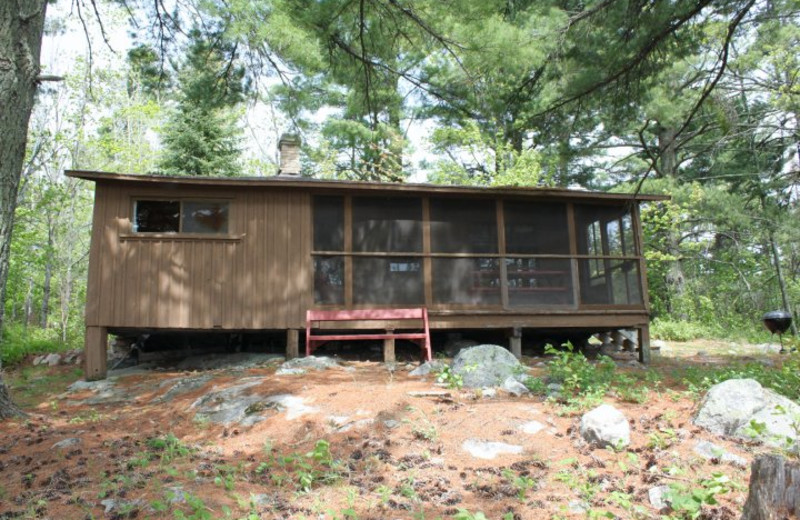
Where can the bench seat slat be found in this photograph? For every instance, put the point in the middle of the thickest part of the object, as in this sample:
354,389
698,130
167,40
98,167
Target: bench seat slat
337,337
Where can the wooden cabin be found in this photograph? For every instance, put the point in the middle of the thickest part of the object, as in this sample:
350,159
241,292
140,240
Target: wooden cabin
239,255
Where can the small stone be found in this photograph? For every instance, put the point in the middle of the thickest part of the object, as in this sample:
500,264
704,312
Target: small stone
532,427
176,495
578,506
52,360
512,386
658,497
391,424
428,367
489,449
708,450
67,443
605,426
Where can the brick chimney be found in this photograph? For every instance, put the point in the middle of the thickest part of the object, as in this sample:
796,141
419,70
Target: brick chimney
289,148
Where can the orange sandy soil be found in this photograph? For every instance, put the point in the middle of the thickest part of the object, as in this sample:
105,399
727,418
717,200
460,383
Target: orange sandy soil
418,469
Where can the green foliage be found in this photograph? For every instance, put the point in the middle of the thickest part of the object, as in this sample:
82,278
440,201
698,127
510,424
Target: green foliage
168,448
450,378
679,330
577,375
687,502
784,380
202,136
19,341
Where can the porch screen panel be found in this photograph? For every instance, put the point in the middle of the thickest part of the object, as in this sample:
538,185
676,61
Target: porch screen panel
328,223
536,228
467,281
329,279
612,277
539,281
328,220
463,226
384,224
388,280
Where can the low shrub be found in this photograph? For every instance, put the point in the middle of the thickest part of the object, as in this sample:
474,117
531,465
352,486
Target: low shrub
19,341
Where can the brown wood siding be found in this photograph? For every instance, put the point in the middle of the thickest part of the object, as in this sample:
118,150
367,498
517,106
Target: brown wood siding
258,278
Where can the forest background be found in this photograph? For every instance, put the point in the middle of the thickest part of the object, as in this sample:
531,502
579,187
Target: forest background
696,99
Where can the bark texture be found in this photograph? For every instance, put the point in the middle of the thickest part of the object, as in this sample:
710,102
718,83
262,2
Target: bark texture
21,28
774,489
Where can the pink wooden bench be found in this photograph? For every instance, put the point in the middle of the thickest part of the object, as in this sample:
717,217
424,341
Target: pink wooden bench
390,319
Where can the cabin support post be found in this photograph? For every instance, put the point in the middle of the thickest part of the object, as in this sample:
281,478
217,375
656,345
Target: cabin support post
292,343
515,339
644,344
95,353
388,348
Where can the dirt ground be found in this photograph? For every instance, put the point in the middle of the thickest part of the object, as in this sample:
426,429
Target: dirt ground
378,444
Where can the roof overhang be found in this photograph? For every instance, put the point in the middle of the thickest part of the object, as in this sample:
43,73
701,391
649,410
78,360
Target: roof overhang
308,183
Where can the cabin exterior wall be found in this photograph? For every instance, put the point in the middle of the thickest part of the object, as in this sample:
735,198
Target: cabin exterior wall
257,276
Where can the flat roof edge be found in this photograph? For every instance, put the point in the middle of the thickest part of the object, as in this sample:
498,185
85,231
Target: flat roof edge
298,182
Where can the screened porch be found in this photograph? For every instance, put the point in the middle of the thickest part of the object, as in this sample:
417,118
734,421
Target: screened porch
499,254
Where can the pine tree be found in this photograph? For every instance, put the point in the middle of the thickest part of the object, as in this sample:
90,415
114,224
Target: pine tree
202,136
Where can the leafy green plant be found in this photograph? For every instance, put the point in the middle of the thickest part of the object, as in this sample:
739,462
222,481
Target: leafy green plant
169,447
687,502
577,374
522,483
197,509
450,378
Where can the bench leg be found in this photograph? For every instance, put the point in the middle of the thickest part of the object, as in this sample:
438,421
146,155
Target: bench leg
388,348
292,343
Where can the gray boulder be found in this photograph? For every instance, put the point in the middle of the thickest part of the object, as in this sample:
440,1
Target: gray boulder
729,408
303,364
605,426
486,365
235,360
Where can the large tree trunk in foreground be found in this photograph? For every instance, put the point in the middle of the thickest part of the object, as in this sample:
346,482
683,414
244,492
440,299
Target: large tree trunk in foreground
21,28
774,489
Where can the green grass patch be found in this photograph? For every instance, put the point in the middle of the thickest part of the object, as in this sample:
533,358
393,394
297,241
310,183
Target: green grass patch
32,385
19,341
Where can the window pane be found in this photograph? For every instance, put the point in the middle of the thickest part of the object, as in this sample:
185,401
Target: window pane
534,228
391,280
463,226
156,216
205,217
382,224
471,281
539,281
328,279
604,230
617,283
328,223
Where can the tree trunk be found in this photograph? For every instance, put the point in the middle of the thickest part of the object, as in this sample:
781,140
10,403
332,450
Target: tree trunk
21,28
676,278
48,277
774,489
